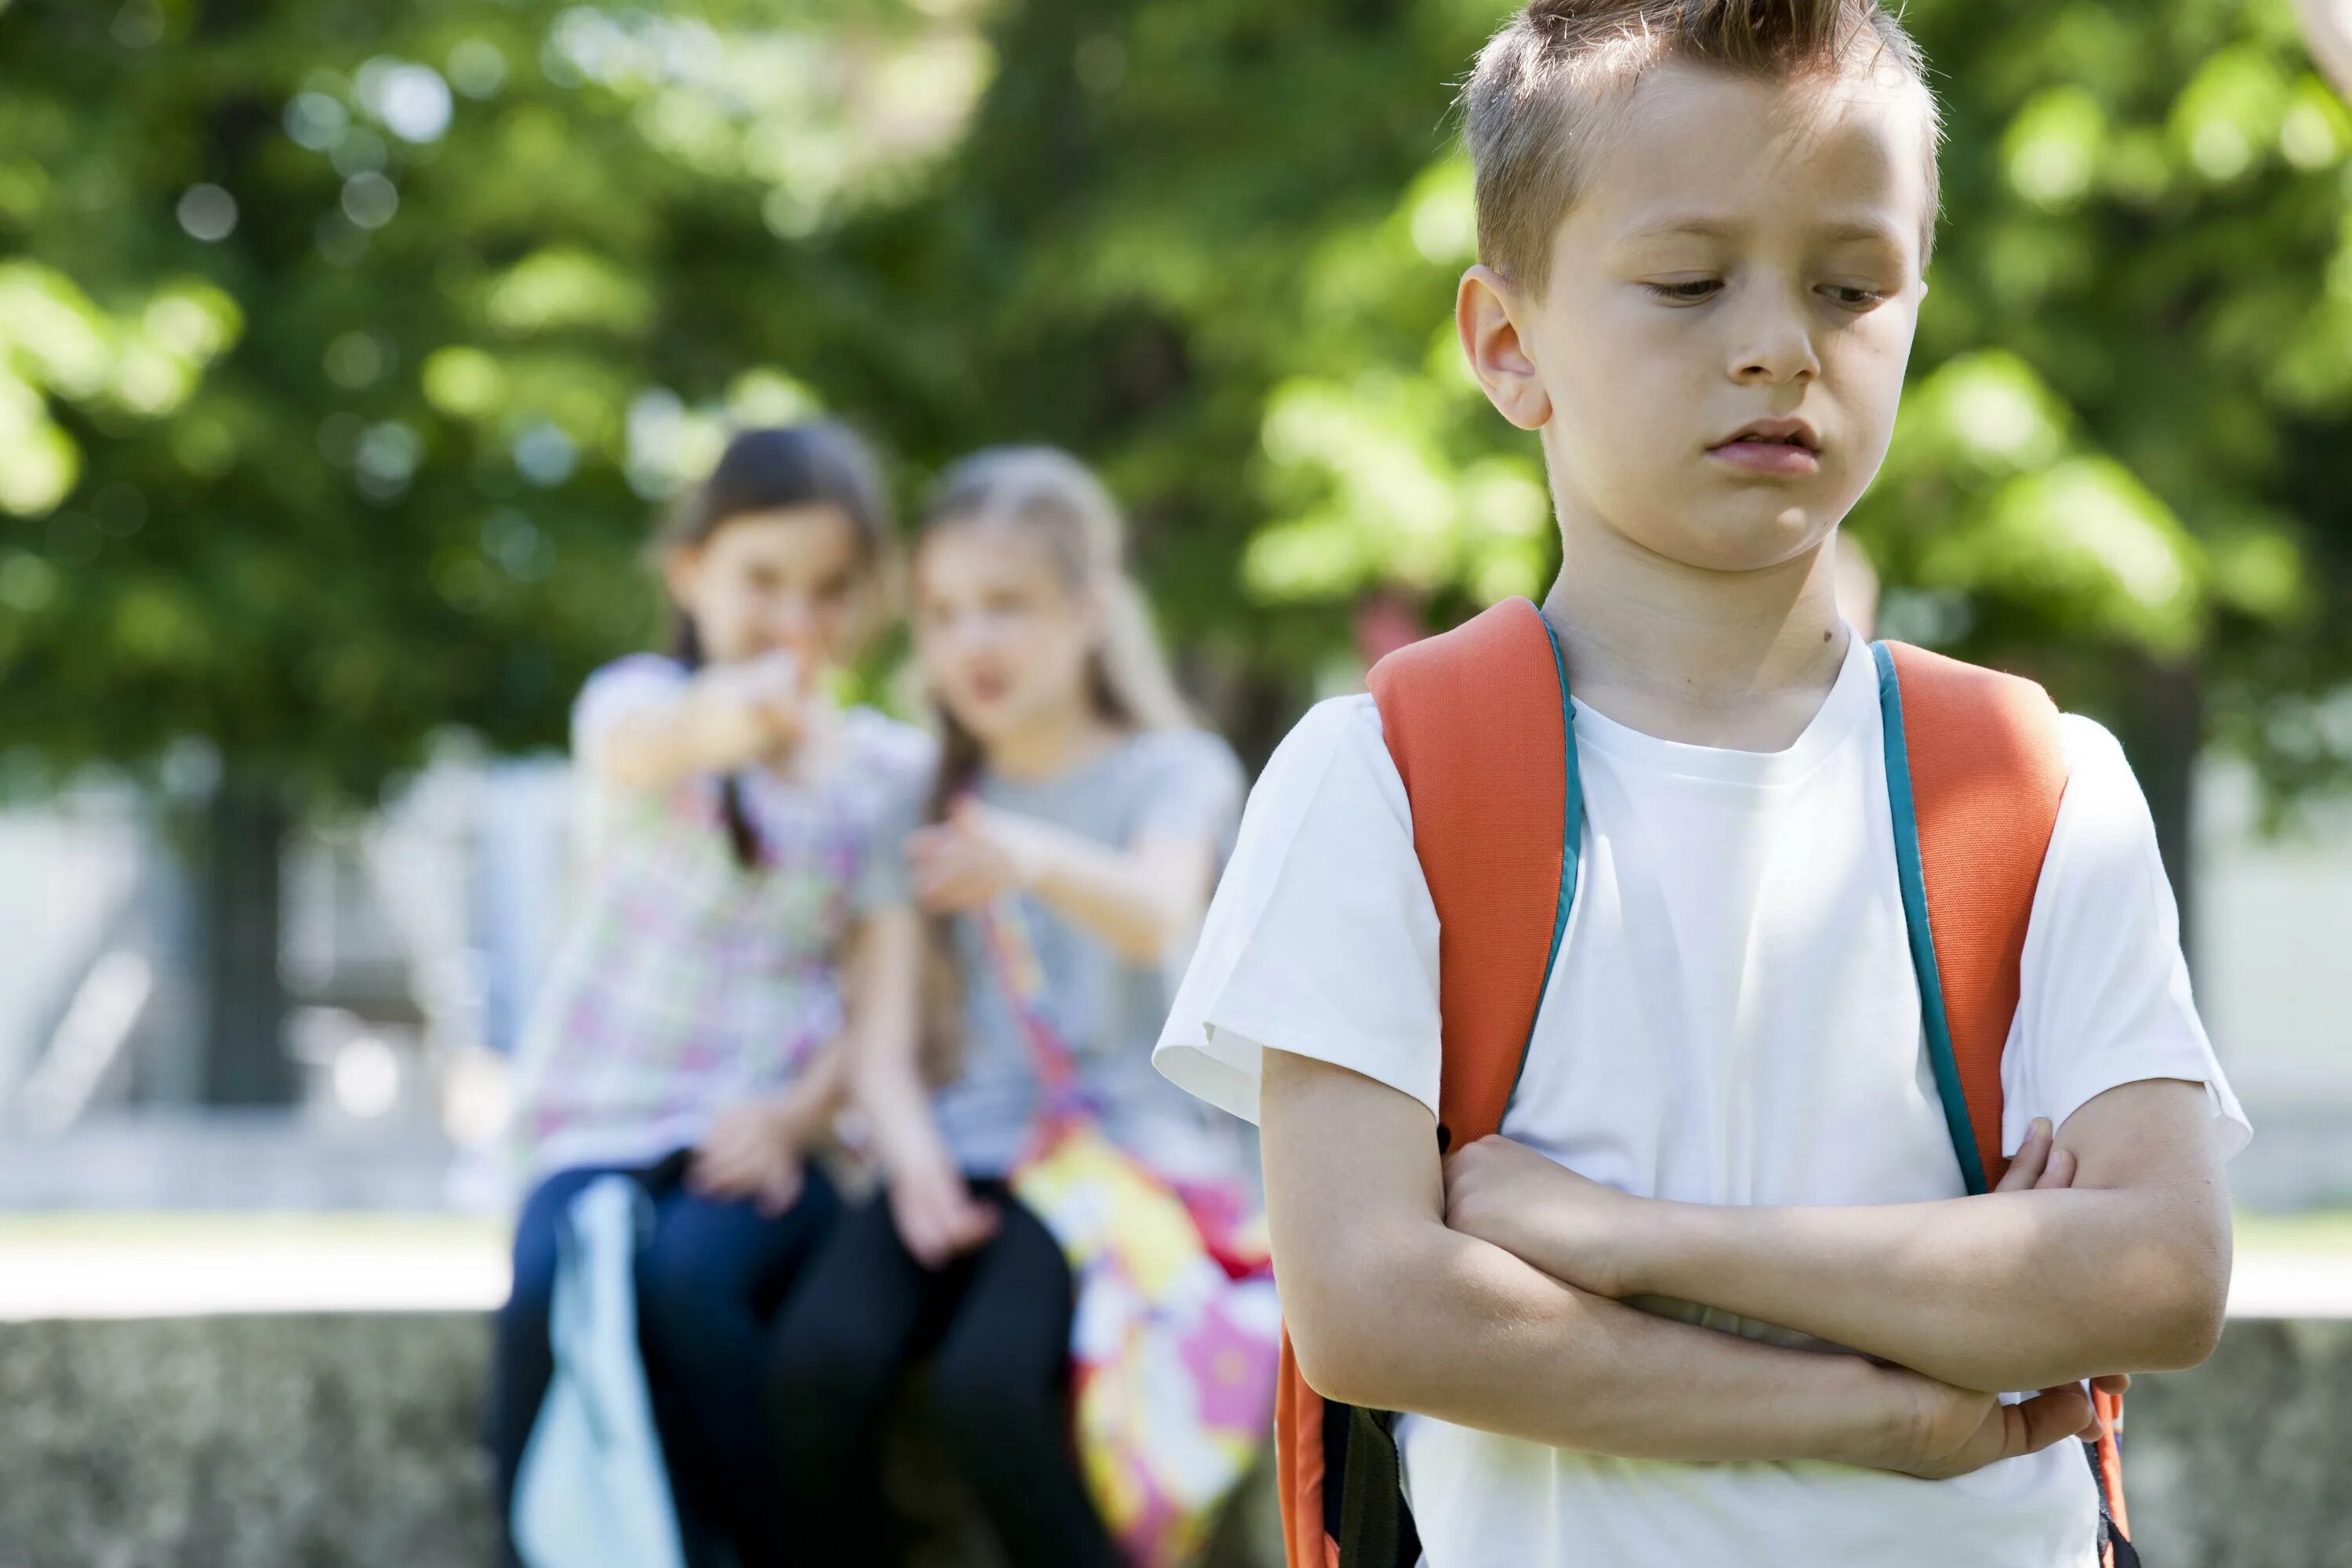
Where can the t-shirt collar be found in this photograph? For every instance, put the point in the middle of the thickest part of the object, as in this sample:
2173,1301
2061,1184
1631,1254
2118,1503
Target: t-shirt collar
1852,701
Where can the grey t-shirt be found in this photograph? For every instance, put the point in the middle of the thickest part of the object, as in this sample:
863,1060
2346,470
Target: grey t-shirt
1182,782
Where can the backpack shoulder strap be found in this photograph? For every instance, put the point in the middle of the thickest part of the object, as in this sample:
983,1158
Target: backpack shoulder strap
1974,773
1477,720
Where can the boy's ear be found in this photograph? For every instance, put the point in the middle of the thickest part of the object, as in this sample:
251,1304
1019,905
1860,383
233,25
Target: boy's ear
1483,310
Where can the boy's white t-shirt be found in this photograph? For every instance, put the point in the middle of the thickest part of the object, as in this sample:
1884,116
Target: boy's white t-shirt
1733,1018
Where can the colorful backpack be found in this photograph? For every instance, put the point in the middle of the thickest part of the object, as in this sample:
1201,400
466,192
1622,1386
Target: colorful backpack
1478,722
1176,1339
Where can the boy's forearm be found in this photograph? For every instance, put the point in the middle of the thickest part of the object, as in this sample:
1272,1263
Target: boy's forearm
1450,1326
1390,1308
2008,1291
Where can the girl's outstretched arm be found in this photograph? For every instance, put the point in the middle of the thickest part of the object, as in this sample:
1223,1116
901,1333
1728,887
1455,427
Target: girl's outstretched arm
1139,900
723,717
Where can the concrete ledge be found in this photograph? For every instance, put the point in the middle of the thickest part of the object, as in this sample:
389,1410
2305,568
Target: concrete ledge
2246,1462
280,1442
319,1441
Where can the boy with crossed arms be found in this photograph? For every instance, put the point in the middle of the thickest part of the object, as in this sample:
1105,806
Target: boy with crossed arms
1714,1297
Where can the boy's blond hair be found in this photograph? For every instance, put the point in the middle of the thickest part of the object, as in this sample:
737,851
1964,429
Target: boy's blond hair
1533,102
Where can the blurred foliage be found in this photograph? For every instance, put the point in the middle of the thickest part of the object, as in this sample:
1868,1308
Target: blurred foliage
344,349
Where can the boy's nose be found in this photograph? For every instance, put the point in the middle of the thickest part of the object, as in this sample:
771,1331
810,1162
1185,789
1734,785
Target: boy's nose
1777,346
1784,357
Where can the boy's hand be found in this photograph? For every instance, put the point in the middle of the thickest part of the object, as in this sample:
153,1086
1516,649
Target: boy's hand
1960,1430
1954,1430
1571,1227
2039,1164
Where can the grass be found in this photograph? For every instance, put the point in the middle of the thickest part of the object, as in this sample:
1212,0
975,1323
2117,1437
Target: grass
2321,1231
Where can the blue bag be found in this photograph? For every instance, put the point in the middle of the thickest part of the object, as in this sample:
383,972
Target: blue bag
592,1490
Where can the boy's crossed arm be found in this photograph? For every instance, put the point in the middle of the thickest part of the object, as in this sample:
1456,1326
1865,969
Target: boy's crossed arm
1390,1308
2120,1263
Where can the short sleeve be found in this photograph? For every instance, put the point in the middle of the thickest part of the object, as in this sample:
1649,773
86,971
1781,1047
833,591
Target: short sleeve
623,687
2105,999
1191,788
1321,940
902,761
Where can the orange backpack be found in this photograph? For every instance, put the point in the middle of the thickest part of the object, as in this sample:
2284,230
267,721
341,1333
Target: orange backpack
1477,720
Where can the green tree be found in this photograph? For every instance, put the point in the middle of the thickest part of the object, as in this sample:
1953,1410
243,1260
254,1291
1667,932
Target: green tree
1215,244
343,348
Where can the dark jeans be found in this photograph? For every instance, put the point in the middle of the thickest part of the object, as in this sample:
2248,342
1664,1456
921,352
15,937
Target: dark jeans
995,1328
709,1282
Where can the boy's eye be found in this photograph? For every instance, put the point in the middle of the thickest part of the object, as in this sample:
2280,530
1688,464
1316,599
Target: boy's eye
1853,296
1686,293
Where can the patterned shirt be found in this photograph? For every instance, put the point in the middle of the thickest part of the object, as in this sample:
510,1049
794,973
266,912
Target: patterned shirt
687,981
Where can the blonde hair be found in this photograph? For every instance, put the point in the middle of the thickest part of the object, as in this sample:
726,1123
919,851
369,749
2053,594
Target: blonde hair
1057,501
1532,100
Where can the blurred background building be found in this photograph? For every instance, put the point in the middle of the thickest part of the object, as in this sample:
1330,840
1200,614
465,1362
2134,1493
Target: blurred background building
411,937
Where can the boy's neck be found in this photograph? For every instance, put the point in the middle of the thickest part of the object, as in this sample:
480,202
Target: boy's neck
1736,661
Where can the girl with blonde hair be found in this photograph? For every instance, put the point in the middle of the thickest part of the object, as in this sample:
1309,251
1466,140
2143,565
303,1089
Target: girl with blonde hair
1077,801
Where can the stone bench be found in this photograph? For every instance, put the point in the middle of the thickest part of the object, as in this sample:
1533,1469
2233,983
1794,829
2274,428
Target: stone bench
305,1441
349,1441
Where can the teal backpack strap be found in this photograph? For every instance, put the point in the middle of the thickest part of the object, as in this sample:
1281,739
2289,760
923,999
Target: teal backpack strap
1975,771
1912,876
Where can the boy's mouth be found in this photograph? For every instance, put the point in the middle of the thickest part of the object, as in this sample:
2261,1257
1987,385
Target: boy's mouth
1772,447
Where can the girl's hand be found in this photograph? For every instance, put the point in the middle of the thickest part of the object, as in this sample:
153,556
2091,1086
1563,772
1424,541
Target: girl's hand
752,1152
1575,1229
751,708
978,854
937,1216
